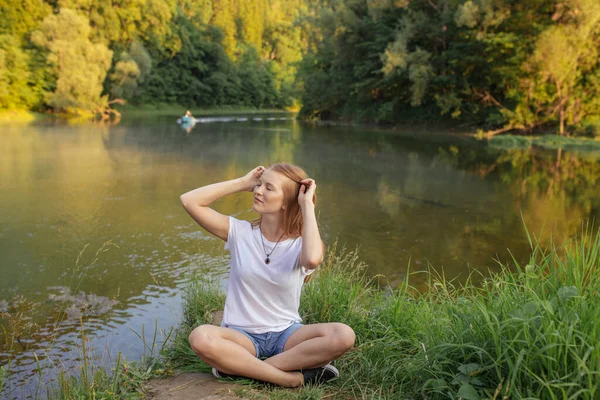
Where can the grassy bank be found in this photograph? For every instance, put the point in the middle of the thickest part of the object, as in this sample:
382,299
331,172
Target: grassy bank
19,116
552,142
127,111
88,377
165,110
78,371
531,331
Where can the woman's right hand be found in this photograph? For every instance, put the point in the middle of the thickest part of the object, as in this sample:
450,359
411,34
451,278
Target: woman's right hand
251,178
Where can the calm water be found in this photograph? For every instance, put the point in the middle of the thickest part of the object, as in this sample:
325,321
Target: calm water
91,225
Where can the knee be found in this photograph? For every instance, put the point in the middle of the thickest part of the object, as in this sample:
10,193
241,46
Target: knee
203,340
343,338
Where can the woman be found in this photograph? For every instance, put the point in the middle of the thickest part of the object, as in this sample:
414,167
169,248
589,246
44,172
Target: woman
261,336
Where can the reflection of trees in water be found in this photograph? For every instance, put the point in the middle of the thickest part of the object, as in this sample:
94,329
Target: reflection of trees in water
471,222
556,191
210,145
403,204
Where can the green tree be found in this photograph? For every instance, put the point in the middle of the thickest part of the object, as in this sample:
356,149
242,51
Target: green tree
79,65
124,77
284,43
560,86
195,52
130,70
251,15
223,17
505,65
198,12
199,74
257,83
15,91
121,22
20,17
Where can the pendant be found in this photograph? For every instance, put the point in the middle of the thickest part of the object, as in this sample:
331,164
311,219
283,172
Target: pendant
267,260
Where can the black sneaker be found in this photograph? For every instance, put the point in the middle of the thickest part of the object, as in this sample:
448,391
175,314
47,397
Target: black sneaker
222,375
320,375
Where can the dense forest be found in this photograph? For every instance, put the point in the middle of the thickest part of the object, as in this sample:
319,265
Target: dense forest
499,64
503,64
71,56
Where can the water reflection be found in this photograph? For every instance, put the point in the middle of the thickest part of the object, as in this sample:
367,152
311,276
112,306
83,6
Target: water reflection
404,200
555,190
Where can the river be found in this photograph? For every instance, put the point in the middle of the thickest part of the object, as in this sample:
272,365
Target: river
91,226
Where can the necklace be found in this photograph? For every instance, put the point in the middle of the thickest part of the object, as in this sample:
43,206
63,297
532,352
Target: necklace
268,260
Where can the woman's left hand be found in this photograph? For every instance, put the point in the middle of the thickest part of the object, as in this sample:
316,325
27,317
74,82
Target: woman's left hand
307,192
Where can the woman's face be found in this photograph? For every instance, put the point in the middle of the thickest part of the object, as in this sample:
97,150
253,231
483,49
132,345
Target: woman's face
268,194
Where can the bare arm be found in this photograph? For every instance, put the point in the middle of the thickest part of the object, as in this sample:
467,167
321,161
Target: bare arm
196,202
312,245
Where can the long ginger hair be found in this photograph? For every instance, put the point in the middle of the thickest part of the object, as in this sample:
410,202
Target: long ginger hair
292,214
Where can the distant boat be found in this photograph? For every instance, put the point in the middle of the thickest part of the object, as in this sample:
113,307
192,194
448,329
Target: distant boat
187,122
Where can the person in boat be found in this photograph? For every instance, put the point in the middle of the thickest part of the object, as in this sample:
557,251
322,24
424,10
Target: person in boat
187,118
187,122
261,335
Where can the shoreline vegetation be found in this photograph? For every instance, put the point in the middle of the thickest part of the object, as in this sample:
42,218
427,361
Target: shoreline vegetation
524,67
418,131
529,331
160,110
20,116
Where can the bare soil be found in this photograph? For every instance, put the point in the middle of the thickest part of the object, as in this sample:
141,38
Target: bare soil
188,386
192,385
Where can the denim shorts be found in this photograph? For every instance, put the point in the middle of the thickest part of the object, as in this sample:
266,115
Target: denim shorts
269,344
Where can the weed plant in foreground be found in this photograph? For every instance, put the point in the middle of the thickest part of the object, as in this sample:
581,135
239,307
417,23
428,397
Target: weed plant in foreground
530,331
89,375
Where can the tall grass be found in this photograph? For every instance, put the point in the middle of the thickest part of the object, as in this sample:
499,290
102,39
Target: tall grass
529,331
88,376
123,380
202,299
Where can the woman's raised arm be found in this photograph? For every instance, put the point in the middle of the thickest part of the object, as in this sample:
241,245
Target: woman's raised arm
196,201
312,245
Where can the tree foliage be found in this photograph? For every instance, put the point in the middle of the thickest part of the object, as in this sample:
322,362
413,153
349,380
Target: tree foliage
79,65
562,82
14,74
203,53
20,17
509,65
494,63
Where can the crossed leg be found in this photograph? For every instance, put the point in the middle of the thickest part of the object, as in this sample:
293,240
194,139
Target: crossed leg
314,345
233,352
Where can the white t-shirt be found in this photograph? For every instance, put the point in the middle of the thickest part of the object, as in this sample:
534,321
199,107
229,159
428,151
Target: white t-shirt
262,297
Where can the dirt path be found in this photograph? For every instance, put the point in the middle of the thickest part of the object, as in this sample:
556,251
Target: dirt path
188,386
193,385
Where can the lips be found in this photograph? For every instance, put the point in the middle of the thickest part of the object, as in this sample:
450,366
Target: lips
257,200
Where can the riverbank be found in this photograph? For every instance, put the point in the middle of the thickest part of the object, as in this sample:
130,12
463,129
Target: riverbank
165,110
452,133
161,110
439,133
550,142
530,331
19,116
